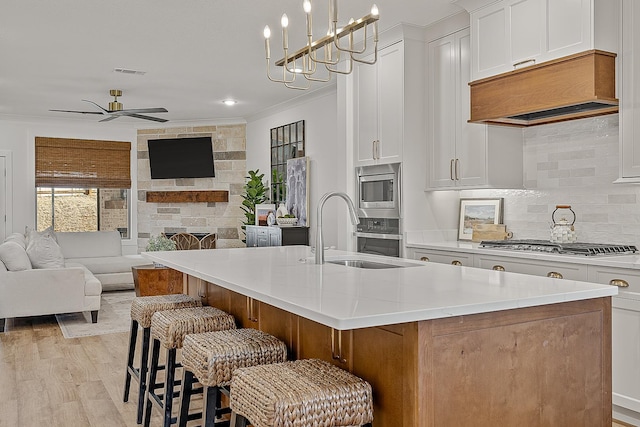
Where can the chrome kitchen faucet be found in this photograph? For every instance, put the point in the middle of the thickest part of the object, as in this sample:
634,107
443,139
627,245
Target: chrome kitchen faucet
319,239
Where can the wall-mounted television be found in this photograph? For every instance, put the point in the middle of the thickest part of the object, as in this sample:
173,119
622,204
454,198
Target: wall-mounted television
181,158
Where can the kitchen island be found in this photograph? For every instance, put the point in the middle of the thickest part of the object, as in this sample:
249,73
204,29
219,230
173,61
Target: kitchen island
441,346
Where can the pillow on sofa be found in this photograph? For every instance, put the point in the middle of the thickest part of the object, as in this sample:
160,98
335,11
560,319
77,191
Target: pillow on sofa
29,233
44,252
14,257
18,238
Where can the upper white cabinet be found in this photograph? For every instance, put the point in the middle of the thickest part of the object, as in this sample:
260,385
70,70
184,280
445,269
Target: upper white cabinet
629,92
510,34
461,154
379,107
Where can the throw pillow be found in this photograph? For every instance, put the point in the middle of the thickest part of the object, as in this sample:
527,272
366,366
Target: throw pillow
14,257
44,252
29,233
18,238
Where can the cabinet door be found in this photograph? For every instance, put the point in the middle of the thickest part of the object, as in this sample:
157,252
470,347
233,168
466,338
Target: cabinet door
390,103
629,91
569,26
561,270
275,236
252,236
470,168
625,319
490,42
441,102
366,112
526,34
278,323
374,348
316,341
262,237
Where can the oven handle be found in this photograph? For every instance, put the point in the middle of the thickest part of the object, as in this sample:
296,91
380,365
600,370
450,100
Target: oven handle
379,236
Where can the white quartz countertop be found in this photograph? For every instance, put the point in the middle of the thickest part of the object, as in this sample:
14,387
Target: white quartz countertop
344,297
620,261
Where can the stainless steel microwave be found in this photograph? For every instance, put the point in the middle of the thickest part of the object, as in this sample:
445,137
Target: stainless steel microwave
378,191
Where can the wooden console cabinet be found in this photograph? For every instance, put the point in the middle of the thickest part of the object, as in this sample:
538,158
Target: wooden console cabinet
150,280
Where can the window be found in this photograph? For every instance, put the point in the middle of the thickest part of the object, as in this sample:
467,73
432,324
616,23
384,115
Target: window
83,185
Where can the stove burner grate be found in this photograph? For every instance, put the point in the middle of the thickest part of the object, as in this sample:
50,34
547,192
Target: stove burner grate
588,249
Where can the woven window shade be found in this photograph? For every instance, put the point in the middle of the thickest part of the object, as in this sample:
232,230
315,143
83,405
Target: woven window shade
82,163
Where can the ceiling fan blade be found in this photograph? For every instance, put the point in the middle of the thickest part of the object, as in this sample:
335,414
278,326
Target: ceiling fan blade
108,118
140,116
81,112
145,110
99,107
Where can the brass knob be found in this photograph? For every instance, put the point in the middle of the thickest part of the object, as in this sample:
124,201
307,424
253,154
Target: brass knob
456,262
424,258
554,275
498,268
619,283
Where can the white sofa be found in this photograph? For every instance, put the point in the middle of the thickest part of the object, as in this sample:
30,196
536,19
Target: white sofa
52,287
65,273
101,253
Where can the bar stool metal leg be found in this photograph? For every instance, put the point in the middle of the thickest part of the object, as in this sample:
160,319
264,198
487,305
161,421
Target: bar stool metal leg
153,372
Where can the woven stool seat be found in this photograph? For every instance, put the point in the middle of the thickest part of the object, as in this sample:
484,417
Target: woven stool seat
306,392
142,308
170,327
213,356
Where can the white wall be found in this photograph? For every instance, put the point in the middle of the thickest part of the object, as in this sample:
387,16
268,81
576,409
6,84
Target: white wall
18,137
327,155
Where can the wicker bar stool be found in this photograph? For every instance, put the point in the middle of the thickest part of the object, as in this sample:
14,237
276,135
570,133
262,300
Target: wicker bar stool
210,359
307,392
142,308
168,328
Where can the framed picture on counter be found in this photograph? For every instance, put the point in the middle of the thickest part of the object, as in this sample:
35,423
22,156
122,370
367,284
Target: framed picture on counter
262,212
478,211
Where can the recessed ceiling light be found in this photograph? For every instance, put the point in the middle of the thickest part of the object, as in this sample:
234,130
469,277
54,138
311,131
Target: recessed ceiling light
229,102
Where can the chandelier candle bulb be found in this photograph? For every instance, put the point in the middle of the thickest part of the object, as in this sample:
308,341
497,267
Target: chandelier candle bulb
267,35
306,5
285,34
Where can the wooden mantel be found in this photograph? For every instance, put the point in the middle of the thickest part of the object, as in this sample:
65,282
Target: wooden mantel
187,196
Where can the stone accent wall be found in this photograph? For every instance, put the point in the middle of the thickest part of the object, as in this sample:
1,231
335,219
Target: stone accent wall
225,219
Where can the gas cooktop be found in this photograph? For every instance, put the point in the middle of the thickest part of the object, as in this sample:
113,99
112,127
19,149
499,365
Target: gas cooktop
560,248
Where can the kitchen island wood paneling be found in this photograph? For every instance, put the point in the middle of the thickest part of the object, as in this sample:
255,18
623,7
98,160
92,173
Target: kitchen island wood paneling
441,345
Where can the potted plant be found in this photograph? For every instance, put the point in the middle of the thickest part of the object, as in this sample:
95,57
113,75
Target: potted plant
160,243
255,192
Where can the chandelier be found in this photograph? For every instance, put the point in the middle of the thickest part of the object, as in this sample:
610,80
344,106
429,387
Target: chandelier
327,52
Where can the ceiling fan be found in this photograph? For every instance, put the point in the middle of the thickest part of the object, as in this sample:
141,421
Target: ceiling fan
115,110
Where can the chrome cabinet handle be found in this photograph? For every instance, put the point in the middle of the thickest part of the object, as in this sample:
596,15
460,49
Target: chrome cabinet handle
451,169
555,275
457,169
336,354
456,262
526,61
424,258
498,268
619,283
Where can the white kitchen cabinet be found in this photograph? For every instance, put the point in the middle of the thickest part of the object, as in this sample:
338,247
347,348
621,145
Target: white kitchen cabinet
379,107
559,270
629,92
513,33
625,320
443,257
462,154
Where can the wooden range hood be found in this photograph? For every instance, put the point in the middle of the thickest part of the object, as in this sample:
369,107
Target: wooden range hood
572,87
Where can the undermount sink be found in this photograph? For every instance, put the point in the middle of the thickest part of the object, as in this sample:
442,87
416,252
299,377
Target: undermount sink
361,263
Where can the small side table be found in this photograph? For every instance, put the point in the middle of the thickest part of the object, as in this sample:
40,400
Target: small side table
151,280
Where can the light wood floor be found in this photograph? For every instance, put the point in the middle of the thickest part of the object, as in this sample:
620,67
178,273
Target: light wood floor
47,380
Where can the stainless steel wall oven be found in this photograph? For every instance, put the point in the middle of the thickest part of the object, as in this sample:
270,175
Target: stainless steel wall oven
378,191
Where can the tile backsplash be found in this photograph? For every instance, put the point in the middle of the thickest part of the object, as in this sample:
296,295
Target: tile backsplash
572,163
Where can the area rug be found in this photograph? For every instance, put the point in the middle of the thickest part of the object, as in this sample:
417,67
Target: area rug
114,316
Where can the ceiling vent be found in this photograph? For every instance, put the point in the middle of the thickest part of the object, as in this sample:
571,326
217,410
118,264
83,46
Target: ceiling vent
129,71
573,87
